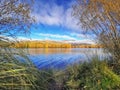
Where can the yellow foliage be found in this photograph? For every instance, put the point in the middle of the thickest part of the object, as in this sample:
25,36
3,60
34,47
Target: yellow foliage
52,44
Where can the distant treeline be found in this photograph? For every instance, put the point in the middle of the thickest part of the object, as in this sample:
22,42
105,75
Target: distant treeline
52,44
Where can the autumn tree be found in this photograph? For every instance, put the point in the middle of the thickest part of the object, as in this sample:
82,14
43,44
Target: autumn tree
15,18
102,18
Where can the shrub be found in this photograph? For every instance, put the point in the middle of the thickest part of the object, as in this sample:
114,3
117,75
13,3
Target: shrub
93,75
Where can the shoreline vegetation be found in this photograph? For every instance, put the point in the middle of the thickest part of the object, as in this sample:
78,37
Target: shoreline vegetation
94,75
53,44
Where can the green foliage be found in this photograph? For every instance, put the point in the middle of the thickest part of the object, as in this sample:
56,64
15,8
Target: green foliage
93,75
45,80
15,74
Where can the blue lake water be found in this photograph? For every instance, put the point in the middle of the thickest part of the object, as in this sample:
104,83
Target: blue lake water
59,58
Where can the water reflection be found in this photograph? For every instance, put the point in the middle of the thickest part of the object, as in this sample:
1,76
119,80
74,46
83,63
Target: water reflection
61,57
48,50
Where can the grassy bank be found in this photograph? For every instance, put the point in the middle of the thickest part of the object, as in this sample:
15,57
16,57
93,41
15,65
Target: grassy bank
93,75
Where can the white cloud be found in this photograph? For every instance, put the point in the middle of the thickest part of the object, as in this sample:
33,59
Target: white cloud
56,15
69,21
80,35
50,15
69,39
20,38
23,38
57,36
87,41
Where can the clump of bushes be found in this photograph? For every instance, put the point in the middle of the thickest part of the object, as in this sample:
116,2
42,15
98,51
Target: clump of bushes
93,75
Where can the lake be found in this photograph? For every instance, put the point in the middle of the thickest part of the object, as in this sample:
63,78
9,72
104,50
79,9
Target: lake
59,58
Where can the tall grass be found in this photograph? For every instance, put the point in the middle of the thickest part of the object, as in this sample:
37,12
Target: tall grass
17,75
93,75
13,74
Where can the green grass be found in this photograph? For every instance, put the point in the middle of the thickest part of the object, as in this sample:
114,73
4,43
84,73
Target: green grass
16,75
92,75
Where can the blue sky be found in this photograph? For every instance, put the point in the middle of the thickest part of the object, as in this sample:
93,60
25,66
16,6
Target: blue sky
54,21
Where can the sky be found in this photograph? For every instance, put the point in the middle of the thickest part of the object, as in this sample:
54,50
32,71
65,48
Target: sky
54,21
